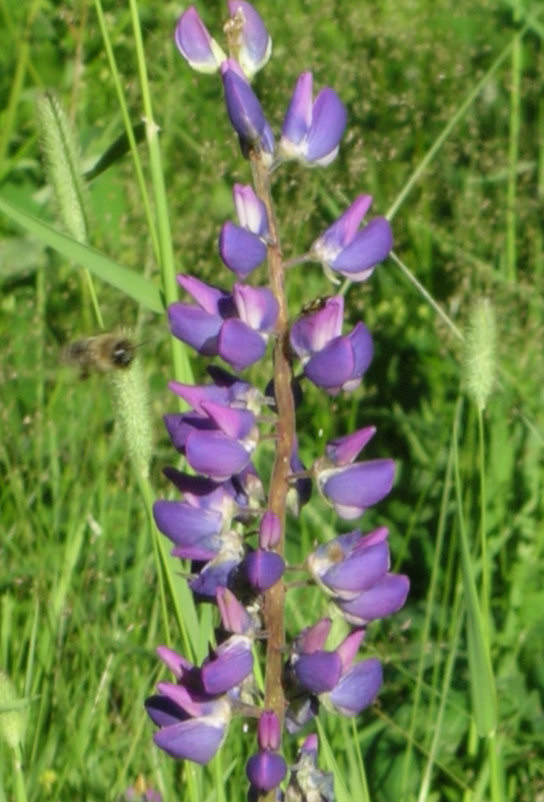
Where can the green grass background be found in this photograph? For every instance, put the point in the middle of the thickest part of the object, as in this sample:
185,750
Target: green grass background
446,131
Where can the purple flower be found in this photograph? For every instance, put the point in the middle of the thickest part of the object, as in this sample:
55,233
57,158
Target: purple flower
189,729
244,247
248,39
384,598
244,109
197,534
343,450
266,769
234,326
217,573
350,563
234,616
331,360
262,569
269,530
353,569
194,713
228,665
312,129
356,689
331,677
195,43
354,488
353,253
218,445
203,493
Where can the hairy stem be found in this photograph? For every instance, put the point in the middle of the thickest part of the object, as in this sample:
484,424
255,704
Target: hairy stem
274,600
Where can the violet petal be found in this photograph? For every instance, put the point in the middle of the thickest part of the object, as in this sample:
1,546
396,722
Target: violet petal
299,113
195,43
358,687
244,110
369,247
263,568
215,455
255,44
265,770
383,599
329,118
332,366
318,672
240,249
357,486
239,345
195,326
228,669
196,739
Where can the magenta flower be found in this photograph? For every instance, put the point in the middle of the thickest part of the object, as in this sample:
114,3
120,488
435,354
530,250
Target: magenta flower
312,130
353,253
331,360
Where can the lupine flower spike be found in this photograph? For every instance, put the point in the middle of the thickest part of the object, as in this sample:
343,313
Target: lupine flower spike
230,526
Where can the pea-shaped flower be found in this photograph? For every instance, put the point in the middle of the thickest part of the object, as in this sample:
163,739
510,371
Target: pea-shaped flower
248,39
243,247
194,713
312,129
266,769
233,325
245,112
351,487
331,360
349,251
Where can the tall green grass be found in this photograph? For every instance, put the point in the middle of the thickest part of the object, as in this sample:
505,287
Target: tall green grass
446,132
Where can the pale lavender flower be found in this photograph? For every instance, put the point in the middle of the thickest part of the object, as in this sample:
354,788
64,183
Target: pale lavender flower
312,129
195,43
349,251
244,247
249,41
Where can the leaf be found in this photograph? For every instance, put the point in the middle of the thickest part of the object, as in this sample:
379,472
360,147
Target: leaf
141,289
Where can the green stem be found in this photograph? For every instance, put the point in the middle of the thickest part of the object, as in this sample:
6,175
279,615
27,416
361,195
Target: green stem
182,368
